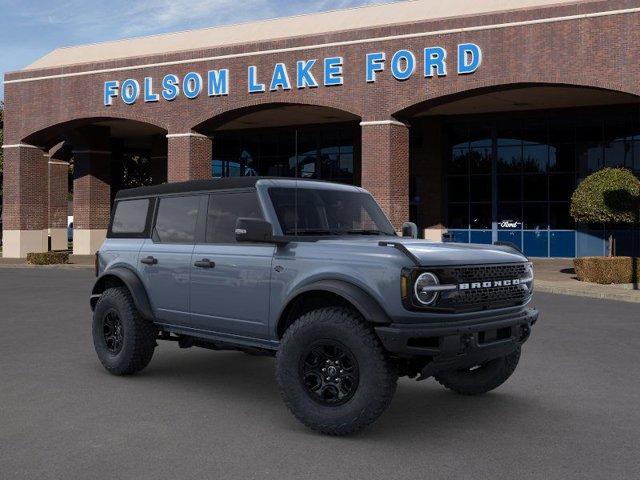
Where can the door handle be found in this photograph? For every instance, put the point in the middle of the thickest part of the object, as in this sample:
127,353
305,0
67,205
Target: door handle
204,263
149,260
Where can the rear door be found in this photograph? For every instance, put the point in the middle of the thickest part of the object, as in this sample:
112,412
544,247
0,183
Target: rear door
165,259
230,281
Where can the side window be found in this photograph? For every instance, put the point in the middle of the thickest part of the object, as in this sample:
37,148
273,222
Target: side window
176,219
130,217
224,210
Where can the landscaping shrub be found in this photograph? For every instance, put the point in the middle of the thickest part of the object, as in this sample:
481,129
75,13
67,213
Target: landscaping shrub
48,258
606,270
609,195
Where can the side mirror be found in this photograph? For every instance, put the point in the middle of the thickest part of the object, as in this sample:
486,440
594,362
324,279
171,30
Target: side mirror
253,230
409,229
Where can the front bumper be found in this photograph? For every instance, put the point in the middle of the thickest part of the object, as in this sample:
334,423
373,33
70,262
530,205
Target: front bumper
448,346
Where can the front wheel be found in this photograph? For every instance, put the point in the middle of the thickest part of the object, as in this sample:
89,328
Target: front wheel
333,373
480,378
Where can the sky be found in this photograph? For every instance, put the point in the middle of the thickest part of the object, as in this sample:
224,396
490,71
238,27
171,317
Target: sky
30,29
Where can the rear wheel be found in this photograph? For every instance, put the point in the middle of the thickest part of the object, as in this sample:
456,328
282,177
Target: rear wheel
333,373
123,340
480,378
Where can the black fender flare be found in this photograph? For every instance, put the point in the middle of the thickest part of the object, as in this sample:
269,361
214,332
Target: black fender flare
368,307
133,283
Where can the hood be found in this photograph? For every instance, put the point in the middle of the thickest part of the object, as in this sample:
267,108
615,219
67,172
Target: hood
435,253
439,254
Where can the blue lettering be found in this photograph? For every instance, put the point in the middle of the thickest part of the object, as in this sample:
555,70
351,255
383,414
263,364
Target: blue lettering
469,58
218,81
403,64
333,71
254,87
192,85
280,78
110,92
170,87
375,63
304,77
434,57
130,91
149,96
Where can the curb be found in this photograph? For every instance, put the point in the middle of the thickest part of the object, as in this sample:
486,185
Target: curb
543,286
62,266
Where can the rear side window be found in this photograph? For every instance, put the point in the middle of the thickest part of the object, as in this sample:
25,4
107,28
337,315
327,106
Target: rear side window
130,217
224,209
176,219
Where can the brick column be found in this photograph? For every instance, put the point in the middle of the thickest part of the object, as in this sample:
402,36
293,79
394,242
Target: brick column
58,190
159,159
24,200
91,199
189,157
427,156
385,167
91,188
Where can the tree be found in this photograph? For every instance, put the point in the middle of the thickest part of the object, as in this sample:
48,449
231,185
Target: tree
608,196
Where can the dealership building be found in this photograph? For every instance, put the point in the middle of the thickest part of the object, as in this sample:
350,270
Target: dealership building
471,119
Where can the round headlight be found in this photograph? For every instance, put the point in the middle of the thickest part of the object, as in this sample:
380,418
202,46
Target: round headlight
421,289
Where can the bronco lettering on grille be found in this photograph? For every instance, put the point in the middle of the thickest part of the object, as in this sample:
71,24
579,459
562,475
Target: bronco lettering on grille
488,284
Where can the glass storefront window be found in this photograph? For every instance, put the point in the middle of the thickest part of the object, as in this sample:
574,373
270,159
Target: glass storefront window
535,158
325,152
510,158
534,161
480,216
480,188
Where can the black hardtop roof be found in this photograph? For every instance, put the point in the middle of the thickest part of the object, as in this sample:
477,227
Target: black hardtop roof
197,186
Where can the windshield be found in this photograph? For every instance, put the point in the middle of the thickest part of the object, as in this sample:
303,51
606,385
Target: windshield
306,211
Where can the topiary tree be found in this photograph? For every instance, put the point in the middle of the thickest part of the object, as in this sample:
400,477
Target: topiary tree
609,196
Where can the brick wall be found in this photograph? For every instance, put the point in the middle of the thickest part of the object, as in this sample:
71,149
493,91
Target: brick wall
25,189
594,52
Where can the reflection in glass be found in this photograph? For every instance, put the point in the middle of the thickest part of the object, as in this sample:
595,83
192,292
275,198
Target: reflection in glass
538,157
510,159
480,217
323,153
535,216
535,158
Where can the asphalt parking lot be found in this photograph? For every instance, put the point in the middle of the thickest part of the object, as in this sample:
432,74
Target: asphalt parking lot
570,410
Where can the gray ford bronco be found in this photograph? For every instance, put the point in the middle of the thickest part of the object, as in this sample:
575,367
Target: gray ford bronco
313,274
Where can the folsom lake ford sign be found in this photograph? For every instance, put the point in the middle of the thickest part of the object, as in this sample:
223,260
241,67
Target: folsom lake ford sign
309,73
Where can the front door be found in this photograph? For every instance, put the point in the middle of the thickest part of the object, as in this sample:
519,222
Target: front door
230,282
165,260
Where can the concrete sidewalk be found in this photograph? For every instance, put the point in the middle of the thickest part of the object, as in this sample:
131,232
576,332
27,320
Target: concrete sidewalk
558,276
75,261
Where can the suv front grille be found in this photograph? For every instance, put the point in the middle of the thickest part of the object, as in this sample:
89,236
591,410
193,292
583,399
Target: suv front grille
483,297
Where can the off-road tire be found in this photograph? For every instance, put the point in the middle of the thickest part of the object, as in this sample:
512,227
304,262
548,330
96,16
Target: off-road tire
138,335
377,376
485,378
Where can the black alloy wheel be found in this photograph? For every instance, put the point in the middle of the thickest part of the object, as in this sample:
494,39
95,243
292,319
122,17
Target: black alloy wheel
329,372
112,331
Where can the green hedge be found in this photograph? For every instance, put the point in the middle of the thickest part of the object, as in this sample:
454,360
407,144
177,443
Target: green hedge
48,258
607,270
610,195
